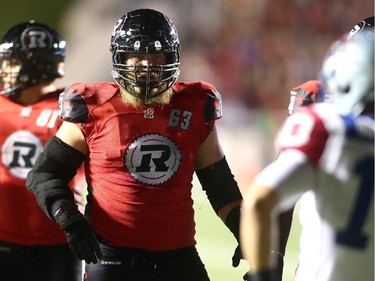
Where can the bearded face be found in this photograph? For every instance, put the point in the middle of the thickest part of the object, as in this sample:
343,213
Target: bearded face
161,99
146,78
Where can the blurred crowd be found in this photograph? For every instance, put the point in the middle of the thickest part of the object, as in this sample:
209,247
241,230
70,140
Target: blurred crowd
253,51
257,55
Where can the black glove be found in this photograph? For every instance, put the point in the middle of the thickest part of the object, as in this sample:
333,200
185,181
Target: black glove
275,274
79,233
237,256
233,223
264,275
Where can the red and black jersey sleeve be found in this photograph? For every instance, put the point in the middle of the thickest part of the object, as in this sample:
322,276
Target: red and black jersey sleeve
213,107
77,100
72,106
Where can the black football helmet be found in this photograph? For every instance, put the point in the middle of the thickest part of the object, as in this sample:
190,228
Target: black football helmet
38,50
145,31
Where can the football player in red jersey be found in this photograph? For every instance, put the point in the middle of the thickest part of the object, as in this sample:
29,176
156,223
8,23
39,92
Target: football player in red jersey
31,246
141,140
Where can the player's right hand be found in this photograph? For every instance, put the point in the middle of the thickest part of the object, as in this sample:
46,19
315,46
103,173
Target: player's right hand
265,275
237,256
82,241
79,233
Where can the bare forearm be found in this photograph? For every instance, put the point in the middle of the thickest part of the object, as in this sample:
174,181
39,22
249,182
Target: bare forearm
256,228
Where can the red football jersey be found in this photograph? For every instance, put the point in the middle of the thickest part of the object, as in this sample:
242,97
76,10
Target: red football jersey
141,161
24,130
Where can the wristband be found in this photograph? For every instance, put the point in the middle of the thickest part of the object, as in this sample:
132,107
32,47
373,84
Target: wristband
66,213
233,222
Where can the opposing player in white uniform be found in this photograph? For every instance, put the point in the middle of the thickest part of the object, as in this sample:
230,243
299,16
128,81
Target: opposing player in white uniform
328,147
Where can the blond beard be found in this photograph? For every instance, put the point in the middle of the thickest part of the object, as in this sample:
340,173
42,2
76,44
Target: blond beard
161,99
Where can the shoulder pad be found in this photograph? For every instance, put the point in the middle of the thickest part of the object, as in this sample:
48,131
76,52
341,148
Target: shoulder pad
79,99
208,99
303,95
72,106
213,108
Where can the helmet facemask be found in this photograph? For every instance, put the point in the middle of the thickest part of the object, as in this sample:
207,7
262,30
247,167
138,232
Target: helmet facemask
144,81
9,73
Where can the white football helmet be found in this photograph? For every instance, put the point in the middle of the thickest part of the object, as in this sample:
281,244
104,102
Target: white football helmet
348,73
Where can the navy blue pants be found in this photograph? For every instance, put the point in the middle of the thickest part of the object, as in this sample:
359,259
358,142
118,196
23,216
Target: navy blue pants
129,264
38,263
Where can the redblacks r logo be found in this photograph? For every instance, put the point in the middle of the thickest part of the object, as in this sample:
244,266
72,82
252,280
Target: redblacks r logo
36,38
152,159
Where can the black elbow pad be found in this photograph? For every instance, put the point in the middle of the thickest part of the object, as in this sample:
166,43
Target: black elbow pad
219,183
53,170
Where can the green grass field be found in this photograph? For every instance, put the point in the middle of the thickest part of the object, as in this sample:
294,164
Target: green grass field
216,243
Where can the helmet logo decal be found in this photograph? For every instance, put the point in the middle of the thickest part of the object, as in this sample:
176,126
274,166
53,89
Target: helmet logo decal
152,159
36,39
19,152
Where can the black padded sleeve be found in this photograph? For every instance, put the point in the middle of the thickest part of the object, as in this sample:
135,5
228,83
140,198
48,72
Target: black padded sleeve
53,170
219,183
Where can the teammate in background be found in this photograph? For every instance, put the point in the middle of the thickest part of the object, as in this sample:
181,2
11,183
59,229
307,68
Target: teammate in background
32,248
141,140
327,148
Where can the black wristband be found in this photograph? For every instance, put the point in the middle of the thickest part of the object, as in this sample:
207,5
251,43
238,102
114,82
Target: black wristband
66,213
233,222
